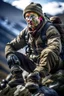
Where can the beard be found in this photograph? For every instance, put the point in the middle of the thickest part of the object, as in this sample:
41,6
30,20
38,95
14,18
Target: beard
32,26
35,29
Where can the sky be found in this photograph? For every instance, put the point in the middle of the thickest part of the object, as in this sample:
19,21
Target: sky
51,7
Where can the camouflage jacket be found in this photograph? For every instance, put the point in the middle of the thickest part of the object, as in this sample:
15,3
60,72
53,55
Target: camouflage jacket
52,42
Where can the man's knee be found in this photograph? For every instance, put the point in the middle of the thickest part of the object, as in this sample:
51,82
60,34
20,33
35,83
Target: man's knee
48,52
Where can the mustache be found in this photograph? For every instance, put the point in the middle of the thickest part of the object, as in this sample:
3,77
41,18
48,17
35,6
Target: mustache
30,23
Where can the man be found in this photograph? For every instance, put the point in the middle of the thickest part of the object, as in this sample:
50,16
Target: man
42,55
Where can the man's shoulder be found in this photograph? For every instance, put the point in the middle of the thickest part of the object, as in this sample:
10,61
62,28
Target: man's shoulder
23,31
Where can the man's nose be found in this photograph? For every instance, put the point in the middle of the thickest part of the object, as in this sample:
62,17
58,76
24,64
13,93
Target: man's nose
29,19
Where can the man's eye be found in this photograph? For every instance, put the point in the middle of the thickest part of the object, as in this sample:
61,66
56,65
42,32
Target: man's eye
32,16
27,17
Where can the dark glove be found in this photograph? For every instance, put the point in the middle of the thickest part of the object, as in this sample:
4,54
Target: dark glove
16,70
14,63
34,76
33,81
12,59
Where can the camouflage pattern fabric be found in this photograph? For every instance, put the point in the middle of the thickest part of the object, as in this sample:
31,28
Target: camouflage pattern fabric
19,91
15,91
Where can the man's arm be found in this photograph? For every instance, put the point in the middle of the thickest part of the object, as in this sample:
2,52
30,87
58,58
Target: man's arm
54,46
54,40
16,44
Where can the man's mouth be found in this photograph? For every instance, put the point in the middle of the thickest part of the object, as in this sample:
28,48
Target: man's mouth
30,23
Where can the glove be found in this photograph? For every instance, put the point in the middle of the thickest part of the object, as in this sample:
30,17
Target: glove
12,59
14,63
33,81
34,76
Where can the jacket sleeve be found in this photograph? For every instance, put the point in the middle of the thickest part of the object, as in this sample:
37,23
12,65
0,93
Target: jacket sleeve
54,40
16,44
54,46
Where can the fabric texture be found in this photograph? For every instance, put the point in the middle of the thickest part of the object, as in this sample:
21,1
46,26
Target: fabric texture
41,55
33,7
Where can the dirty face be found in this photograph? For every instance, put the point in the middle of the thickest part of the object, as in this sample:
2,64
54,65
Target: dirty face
32,19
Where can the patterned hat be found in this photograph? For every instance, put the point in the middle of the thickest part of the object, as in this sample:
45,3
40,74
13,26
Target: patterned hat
33,7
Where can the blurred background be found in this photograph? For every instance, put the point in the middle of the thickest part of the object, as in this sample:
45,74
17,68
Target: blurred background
12,22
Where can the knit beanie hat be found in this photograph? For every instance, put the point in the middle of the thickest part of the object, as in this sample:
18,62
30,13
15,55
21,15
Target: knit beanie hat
33,7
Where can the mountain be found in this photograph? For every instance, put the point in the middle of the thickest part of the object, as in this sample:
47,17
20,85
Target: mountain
11,23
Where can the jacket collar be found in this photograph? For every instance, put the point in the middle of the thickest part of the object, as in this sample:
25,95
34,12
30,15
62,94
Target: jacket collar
38,30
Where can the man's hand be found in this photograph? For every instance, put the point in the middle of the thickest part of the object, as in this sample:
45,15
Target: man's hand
14,63
33,81
12,59
34,76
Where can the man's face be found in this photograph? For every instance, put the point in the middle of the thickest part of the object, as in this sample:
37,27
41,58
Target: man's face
32,19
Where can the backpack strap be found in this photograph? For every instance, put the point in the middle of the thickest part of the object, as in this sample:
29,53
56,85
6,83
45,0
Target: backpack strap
43,33
46,26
